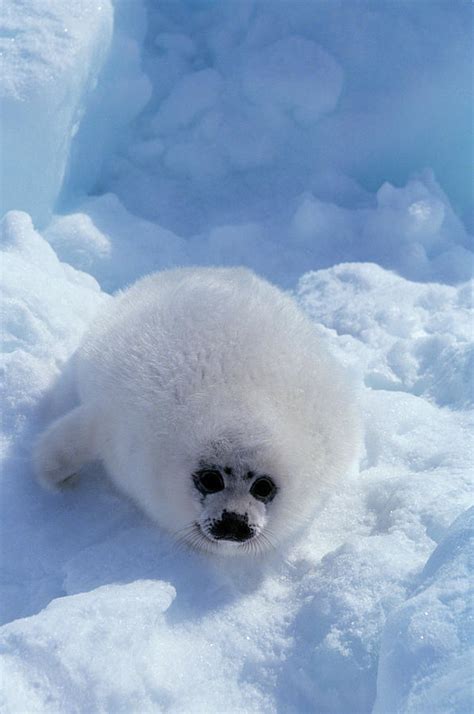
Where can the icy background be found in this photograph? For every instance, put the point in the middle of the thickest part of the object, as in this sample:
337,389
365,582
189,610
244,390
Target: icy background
327,146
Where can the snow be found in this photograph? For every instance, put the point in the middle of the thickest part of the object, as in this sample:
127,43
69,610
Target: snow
45,305
296,139
415,339
51,61
295,76
426,645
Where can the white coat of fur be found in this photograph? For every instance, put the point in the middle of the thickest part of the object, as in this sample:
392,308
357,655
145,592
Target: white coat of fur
207,365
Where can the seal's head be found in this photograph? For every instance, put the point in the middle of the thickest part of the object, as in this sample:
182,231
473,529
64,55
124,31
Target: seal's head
233,489
247,493
235,504
247,476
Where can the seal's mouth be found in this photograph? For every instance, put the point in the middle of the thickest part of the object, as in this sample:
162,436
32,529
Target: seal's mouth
197,538
231,526
220,540
257,543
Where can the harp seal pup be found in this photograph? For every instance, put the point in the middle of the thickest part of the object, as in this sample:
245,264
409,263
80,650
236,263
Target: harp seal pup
210,400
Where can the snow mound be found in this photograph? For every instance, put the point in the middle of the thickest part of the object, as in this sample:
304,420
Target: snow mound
46,306
246,131
427,648
412,229
70,657
253,106
49,69
416,338
113,245
121,92
293,75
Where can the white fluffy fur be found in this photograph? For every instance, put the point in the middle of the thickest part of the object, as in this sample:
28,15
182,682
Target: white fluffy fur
200,366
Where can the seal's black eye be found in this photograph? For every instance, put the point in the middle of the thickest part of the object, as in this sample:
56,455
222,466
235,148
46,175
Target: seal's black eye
263,489
208,481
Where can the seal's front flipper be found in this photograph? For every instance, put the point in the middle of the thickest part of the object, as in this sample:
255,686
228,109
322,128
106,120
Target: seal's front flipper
63,448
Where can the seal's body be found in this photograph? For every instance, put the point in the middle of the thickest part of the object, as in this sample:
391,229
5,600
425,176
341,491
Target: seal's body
209,399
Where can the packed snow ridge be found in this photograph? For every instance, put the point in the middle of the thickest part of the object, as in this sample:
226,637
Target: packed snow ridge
298,140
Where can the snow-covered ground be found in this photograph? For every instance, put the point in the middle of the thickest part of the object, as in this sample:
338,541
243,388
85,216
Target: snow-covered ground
327,146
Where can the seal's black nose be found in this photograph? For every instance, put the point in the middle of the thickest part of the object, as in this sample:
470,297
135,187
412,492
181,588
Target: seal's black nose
232,526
